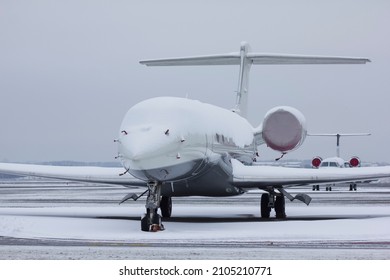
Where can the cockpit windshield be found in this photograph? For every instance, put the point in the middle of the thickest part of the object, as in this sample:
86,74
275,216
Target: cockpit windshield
329,164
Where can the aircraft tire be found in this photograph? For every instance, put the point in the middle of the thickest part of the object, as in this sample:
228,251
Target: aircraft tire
166,206
145,223
151,222
264,206
280,207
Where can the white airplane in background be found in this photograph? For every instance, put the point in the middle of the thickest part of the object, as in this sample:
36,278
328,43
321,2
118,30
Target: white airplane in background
337,161
182,147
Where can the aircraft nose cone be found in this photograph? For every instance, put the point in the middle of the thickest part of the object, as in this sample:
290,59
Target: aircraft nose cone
145,142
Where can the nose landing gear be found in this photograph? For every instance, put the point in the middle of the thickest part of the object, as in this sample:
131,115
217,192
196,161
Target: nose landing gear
151,221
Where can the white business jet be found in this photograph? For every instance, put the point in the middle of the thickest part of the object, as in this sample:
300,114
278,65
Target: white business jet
182,147
337,161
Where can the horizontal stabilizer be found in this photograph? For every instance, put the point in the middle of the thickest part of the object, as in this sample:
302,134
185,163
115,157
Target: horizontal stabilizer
303,59
338,134
222,59
254,58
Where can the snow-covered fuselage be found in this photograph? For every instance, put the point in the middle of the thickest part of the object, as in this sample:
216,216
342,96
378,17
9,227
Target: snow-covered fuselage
185,144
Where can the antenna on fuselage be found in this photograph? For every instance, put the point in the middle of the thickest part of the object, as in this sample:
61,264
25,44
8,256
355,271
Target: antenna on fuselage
245,59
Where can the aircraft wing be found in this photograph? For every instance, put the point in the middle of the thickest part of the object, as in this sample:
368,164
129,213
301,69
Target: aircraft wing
352,182
90,174
268,176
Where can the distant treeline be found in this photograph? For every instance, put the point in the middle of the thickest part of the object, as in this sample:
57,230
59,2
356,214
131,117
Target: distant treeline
6,176
81,163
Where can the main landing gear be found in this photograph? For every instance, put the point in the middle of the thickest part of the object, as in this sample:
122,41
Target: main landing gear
151,221
327,188
269,201
276,200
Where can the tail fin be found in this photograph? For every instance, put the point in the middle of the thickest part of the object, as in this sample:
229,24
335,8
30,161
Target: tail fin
338,135
245,59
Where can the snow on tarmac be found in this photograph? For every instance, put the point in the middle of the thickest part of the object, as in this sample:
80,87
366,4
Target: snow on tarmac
225,224
87,223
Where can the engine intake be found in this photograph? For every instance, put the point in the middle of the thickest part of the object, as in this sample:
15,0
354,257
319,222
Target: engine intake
316,162
354,162
284,129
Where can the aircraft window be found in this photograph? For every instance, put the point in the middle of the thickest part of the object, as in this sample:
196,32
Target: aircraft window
324,164
217,136
333,164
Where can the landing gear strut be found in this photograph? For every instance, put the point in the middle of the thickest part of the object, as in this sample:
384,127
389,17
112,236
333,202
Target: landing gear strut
151,221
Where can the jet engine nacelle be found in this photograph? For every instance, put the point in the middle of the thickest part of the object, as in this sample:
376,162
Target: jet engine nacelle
284,129
354,162
316,162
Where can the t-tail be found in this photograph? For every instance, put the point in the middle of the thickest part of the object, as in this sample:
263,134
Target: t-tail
338,136
245,59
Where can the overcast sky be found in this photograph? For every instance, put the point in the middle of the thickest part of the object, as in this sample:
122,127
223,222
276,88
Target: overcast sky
69,69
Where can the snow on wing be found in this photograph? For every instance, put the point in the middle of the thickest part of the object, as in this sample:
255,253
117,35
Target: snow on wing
266,176
91,174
